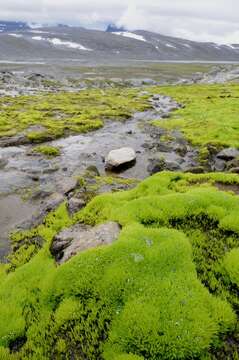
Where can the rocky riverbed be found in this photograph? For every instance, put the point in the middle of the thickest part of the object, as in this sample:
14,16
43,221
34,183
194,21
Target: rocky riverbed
30,79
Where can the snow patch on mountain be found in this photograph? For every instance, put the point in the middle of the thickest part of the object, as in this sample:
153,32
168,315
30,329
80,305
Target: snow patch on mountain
15,35
35,25
234,47
130,35
171,46
59,42
187,45
39,32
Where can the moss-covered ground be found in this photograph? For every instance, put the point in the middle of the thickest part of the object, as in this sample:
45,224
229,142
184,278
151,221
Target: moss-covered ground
48,116
166,289
47,150
209,115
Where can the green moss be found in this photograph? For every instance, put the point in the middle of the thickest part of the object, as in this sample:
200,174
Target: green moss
209,115
39,137
49,151
204,155
231,266
63,113
160,292
111,180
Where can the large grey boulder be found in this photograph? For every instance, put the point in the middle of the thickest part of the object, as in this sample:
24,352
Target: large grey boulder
78,238
119,158
228,154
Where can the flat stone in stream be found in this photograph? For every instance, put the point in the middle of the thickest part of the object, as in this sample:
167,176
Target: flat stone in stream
117,159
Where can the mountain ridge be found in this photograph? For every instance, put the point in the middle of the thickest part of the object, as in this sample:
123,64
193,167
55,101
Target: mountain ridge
19,41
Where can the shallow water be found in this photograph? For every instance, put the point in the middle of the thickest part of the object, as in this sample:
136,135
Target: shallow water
12,212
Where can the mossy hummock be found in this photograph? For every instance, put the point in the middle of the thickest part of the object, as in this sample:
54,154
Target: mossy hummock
49,116
147,296
209,115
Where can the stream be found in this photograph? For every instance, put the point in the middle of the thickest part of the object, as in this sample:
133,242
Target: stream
38,173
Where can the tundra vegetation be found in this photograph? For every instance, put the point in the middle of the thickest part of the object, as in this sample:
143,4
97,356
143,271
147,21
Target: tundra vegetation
168,287
46,117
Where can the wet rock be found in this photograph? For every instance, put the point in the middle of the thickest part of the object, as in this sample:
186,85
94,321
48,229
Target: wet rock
80,237
234,170
50,169
195,170
92,170
161,163
50,205
119,158
228,154
165,116
41,194
219,165
180,149
34,177
36,77
3,163
140,82
67,185
149,82
172,166
156,165
17,140
53,202
156,97
233,164
164,147
129,132
75,204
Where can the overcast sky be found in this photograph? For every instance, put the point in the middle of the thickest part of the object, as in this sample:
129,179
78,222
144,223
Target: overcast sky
204,20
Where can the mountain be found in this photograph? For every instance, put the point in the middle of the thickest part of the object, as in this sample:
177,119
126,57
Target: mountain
6,26
114,28
19,42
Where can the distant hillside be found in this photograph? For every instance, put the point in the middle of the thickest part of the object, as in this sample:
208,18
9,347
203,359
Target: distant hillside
57,43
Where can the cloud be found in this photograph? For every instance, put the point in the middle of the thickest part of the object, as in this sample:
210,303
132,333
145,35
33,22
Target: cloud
204,20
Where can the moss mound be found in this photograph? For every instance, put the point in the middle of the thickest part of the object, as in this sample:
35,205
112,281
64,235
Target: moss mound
48,151
49,116
156,293
209,115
